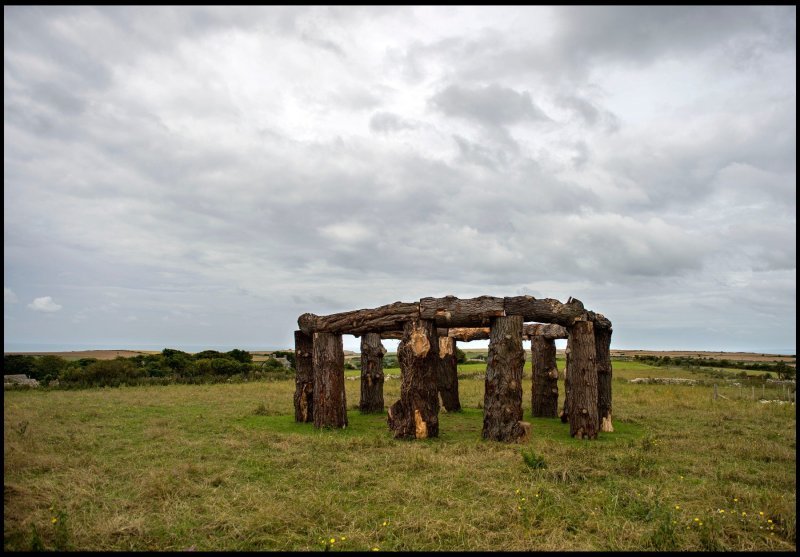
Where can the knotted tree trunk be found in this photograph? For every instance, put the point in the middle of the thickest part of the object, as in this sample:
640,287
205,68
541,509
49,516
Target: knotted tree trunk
544,394
372,352
502,400
448,374
304,377
602,341
416,414
582,393
330,404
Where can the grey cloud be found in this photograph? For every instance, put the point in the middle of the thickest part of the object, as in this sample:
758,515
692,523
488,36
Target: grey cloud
590,113
492,105
387,122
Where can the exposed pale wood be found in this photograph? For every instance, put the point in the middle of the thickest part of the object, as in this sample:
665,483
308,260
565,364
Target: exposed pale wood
582,393
502,400
455,312
330,403
447,379
390,317
467,334
602,341
416,414
544,391
545,330
372,352
304,377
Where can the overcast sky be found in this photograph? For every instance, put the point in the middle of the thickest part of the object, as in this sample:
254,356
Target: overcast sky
200,177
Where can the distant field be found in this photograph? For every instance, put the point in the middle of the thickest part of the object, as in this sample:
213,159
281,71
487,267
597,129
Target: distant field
225,467
259,355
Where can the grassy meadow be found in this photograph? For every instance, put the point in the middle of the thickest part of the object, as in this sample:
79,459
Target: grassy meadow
225,467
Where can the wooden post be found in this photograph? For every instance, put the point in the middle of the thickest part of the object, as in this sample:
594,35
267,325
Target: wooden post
715,391
372,352
544,389
330,403
416,414
582,393
602,342
753,393
447,378
565,409
763,394
304,377
502,400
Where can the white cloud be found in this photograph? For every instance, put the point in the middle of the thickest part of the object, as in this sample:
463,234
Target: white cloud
9,297
45,304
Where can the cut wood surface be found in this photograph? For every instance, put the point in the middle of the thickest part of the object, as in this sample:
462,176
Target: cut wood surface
544,330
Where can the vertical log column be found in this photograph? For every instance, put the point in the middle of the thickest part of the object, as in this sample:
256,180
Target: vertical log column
502,400
304,377
565,410
372,352
582,392
602,341
544,392
416,414
448,374
330,404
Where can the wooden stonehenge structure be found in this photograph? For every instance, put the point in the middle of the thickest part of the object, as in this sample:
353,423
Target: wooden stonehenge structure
428,331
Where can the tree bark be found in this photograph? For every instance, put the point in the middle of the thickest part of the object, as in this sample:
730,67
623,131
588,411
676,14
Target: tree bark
546,330
385,318
304,377
602,341
564,415
330,403
546,310
544,393
454,312
502,400
416,414
448,374
372,352
582,393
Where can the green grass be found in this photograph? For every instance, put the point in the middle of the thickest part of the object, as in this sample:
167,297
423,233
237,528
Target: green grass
225,467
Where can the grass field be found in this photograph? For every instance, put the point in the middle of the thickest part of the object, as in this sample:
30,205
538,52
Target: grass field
225,467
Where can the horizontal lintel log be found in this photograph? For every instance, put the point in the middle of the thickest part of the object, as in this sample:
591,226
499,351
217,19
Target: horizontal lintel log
548,331
455,312
385,318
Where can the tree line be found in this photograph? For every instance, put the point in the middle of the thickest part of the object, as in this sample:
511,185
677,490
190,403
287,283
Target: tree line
782,369
170,366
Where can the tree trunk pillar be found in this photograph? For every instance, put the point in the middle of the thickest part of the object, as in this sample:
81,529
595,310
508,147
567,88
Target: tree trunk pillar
602,341
544,392
416,414
582,374
448,374
502,400
304,377
330,403
564,415
372,352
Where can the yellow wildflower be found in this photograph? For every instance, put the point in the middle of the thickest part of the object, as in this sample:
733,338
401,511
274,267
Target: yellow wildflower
333,540
54,520
677,507
343,538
